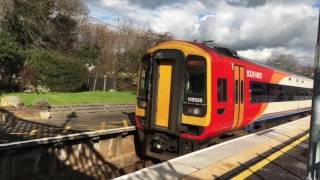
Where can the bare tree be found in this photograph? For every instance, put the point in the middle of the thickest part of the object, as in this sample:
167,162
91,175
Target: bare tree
290,63
307,70
131,44
120,49
285,62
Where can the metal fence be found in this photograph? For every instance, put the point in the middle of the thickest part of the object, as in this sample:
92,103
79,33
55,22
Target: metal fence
100,83
94,108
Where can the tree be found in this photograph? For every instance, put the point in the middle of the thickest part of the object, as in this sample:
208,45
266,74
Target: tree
129,44
285,62
117,51
4,8
88,55
290,63
28,79
44,23
56,71
11,61
307,70
91,40
134,44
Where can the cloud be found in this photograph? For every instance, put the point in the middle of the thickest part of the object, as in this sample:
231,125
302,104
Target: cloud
257,54
247,3
262,54
264,26
257,28
151,4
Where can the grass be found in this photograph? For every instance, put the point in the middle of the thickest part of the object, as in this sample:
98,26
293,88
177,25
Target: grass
93,97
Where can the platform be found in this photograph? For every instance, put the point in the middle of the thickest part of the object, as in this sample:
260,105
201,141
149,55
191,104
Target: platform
276,153
285,163
17,129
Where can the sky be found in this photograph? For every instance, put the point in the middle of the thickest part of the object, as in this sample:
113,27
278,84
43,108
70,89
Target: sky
257,29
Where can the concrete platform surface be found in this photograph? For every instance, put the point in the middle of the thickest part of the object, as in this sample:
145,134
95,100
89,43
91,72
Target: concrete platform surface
17,129
287,163
228,159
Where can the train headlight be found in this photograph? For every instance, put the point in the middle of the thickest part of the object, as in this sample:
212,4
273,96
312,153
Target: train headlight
194,110
158,146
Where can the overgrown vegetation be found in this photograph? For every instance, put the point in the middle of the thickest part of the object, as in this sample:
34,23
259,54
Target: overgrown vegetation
11,61
56,71
53,44
43,23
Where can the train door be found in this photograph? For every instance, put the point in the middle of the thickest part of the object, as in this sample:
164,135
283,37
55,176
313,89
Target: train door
238,113
167,88
163,93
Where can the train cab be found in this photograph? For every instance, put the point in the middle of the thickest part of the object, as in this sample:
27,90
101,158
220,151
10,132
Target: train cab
173,97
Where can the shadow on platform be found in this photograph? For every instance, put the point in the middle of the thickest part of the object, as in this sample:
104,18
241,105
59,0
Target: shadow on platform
85,159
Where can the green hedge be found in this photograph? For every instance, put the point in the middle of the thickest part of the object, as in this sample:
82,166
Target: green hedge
11,61
56,71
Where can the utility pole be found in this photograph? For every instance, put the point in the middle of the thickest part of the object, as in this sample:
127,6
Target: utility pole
313,166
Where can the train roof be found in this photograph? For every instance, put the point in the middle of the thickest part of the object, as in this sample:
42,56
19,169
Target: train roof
210,45
233,54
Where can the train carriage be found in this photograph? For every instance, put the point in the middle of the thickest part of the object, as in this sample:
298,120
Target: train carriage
190,92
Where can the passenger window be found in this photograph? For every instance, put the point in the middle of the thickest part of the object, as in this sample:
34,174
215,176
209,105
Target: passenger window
257,92
222,90
265,92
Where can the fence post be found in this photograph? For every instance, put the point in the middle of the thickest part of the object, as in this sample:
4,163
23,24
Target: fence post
95,82
104,82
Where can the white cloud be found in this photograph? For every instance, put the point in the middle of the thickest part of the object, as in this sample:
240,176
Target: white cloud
258,28
262,54
257,54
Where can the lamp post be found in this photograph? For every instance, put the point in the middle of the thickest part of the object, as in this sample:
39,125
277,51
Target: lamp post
313,165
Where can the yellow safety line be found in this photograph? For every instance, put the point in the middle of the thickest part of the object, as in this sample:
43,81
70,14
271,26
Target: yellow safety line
269,159
118,122
66,129
103,125
125,123
33,132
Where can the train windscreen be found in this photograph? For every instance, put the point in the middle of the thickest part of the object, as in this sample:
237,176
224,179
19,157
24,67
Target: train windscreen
195,86
195,90
143,81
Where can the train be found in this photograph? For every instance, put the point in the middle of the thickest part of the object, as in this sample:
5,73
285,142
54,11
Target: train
190,93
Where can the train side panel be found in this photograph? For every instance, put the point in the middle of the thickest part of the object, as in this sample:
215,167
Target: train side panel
223,68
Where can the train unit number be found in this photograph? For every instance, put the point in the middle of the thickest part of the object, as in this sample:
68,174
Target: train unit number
195,100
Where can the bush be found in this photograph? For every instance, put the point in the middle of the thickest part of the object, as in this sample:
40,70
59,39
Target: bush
28,79
42,104
56,71
11,61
